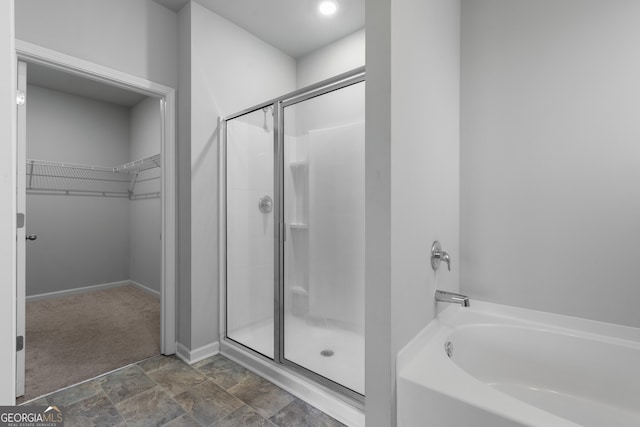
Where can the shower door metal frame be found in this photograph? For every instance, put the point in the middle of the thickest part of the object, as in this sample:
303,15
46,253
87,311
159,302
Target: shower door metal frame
279,104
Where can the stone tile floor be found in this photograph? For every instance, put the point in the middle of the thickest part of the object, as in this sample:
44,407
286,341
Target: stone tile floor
165,391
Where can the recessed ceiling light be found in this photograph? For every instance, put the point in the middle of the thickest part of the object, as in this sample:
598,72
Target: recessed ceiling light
327,7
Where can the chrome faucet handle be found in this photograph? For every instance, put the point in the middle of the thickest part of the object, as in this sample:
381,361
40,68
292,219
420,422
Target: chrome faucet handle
437,255
447,259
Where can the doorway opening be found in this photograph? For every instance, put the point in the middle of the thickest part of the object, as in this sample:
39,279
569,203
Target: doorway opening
96,273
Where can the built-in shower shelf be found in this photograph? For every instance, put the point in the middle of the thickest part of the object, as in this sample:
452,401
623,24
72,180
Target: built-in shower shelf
300,180
298,165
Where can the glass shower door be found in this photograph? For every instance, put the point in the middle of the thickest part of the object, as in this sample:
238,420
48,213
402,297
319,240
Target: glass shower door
250,230
324,223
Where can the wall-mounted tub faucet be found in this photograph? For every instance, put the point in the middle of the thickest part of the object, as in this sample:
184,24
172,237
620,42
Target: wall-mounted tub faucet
437,255
444,296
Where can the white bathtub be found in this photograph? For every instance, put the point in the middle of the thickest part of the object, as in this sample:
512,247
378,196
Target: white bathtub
516,367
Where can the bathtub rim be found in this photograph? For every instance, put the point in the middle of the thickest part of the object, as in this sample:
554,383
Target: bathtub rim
454,315
447,376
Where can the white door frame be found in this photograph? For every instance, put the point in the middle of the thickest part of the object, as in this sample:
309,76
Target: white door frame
35,54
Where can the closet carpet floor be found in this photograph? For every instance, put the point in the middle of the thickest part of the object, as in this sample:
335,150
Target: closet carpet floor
75,338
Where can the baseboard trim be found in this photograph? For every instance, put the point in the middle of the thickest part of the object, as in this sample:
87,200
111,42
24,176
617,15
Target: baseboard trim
201,353
69,292
144,288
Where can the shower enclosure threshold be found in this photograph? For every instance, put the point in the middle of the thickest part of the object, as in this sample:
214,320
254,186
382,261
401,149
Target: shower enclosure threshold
338,406
330,351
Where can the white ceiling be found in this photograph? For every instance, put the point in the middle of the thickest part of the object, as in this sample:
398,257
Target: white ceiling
64,82
293,26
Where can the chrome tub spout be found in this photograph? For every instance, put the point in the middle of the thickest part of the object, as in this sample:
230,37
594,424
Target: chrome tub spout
444,296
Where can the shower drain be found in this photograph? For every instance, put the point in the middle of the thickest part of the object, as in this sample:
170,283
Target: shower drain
327,353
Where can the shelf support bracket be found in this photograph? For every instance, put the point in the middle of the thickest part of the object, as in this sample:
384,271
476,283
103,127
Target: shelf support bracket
31,166
132,183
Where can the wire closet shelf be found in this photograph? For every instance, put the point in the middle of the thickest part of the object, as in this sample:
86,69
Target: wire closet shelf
79,179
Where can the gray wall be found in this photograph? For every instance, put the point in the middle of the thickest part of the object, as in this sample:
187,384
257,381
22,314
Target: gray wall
136,37
7,207
145,222
550,199
184,179
412,178
379,374
82,240
336,58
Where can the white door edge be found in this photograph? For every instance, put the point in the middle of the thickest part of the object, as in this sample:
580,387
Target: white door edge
21,232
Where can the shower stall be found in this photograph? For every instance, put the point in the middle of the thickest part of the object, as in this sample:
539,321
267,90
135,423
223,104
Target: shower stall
293,232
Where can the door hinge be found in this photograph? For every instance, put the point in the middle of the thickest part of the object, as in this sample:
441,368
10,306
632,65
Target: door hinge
21,97
19,343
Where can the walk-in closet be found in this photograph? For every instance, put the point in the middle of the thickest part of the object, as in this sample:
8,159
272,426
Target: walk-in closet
93,209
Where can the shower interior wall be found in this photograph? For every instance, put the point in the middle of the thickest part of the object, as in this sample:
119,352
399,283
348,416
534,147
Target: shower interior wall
250,251
328,281
92,240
